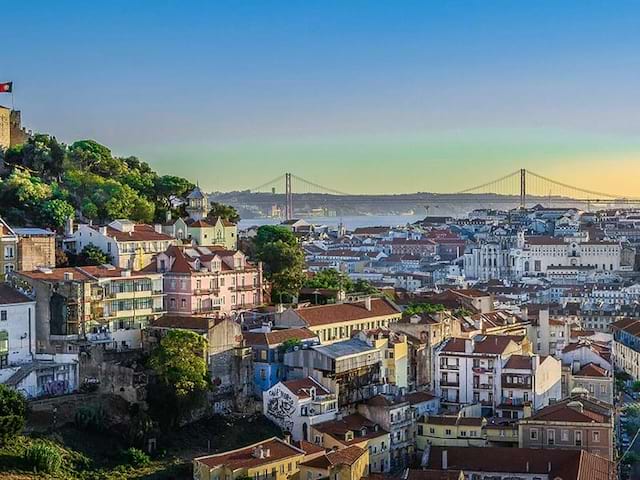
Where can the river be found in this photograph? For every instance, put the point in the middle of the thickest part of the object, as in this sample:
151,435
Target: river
350,222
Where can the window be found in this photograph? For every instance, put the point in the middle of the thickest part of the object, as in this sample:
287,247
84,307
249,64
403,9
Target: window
4,342
3,315
565,435
551,437
596,436
533,434
578,438
447,432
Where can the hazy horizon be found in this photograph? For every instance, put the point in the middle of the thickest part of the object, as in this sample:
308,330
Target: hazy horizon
364,97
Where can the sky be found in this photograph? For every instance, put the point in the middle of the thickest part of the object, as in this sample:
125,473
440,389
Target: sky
361,96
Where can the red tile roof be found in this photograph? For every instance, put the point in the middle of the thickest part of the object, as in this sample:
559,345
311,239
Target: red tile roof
301,387
86,273
520,362
141,233
276,337
455,345
343,456
493,344
200,324
562,412
351,423
345,312
244,457
565,464
9,295
592,370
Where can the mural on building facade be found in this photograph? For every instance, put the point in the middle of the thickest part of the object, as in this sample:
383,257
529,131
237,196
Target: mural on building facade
281,407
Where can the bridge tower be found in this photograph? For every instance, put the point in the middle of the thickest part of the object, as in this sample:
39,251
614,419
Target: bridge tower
523,188
288,208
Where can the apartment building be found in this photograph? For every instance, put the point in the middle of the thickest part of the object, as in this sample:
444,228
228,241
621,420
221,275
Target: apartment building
271,459
424,331
296,405
626,346
101,304
208,280
21,366
396,416
575,423
130,245
36,248
8,249
350,463
451,431
356,429
350,369
337,322
394,355
495,372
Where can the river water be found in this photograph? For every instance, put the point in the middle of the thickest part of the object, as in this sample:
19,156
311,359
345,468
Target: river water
350,222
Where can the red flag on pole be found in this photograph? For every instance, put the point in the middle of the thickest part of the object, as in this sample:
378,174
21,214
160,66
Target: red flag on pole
6,87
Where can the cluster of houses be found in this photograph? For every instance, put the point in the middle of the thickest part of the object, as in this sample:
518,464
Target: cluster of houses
493,336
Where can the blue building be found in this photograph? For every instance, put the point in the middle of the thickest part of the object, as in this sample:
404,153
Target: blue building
269,348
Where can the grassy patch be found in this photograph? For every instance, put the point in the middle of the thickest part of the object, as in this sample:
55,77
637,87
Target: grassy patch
99,456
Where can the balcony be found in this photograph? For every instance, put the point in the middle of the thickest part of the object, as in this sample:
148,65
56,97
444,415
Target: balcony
513,402
206,291
484,386
244,288
448,383
449,366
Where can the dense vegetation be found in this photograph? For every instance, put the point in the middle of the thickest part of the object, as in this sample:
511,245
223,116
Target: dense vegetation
46,182
335,280
278,248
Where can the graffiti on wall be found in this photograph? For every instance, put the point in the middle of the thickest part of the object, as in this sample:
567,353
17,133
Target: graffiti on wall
281,408
56,387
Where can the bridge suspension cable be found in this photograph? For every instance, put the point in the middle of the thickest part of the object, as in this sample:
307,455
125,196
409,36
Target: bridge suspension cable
318,186
492,183
571,187
276,181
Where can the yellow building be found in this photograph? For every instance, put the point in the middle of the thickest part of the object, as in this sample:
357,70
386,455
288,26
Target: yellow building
356,430
351,463
451,431
394,353
222,233
271,459
8,249
336,322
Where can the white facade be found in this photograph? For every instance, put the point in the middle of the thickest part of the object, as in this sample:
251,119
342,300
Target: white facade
130,245
296,405
17,331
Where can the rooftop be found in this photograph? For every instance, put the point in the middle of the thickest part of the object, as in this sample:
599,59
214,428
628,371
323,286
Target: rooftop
244,458
9,295
344,312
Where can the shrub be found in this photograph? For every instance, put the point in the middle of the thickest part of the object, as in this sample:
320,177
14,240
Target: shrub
43,457
136,457
13,410
91,418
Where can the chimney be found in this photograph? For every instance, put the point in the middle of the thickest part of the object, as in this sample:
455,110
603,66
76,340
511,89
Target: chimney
68,226
68,276
287,438
367,303
445,460
168,216
157,227
103,230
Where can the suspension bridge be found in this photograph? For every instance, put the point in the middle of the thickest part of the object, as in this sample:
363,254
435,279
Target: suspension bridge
519,188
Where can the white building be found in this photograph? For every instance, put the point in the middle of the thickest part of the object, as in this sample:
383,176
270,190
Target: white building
296,405
32,374
129,244
496,372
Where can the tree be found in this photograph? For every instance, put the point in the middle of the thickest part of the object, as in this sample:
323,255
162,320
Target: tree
180,366
329,278
225,212
363,286
13,412
168,186
92,255
272,233
283,259
55,213
179,362
418,308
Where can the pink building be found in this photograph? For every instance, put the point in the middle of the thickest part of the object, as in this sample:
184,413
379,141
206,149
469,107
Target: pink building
208,280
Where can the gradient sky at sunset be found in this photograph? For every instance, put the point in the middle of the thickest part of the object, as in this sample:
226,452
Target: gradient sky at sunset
364,96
